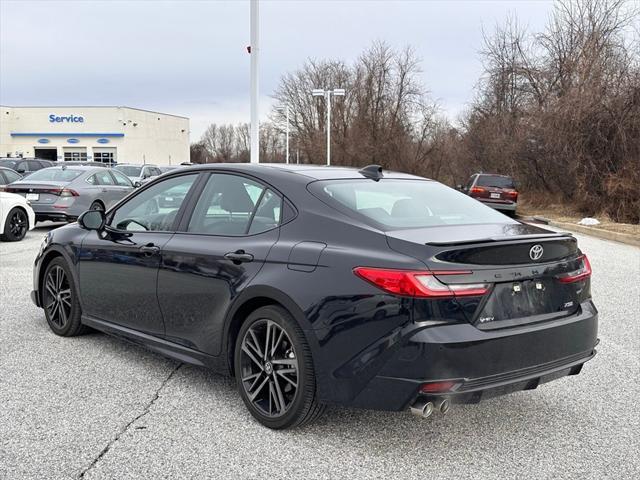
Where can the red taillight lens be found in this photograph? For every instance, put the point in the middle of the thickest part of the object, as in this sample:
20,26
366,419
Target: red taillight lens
580,274
477,190
67,192
512,195
412,283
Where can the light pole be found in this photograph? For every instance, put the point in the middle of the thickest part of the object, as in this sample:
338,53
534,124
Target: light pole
254,52
326,93
286,109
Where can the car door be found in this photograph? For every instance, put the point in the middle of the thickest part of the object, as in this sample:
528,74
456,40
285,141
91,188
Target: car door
118,267
219,247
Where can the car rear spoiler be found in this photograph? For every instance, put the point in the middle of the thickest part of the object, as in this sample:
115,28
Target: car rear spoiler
504,238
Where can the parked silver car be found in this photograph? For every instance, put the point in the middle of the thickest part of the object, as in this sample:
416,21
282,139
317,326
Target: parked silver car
63,193
139,174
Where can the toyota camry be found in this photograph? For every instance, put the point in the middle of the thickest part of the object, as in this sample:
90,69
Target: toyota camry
321,285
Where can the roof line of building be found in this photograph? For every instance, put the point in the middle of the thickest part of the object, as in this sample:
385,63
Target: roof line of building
93,106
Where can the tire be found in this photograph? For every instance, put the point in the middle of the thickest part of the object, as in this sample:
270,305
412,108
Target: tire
60,300
270,396
15,226
97,206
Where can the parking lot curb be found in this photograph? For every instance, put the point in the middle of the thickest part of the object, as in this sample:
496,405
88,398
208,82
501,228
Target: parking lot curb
626,238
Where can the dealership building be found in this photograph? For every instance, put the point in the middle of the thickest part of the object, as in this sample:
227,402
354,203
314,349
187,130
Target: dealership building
102,134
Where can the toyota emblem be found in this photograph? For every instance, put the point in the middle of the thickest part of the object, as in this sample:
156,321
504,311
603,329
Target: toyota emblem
536,252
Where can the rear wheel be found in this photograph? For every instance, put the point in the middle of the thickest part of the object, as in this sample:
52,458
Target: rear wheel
60,300
97,206
274,370
15,226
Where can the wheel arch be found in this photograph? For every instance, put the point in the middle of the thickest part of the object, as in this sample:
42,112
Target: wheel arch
53,253
250,300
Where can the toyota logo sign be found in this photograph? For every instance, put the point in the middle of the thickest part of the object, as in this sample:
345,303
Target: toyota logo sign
536,252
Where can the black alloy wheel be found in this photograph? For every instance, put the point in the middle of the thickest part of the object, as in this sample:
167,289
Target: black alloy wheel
274,370
269,368
16,225
96,206
61,306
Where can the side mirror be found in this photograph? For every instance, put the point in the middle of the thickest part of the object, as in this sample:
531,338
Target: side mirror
21,171
92,220
459,187
137,184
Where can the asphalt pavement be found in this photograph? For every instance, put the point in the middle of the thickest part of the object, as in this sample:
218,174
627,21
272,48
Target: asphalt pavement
96,407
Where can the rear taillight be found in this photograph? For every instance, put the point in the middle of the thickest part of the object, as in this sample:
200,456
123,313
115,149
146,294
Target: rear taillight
412,283
477,190
511,195
577,275
438,387
67,192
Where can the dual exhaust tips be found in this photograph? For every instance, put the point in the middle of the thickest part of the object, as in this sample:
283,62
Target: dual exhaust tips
425,407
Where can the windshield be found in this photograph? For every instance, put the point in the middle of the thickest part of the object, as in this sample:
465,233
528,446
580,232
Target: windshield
394,204
494,181
55,174
129,170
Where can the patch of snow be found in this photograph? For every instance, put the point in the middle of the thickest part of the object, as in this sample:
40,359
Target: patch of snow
588,221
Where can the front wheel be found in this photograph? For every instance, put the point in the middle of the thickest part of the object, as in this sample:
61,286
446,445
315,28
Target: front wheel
60,300
274,370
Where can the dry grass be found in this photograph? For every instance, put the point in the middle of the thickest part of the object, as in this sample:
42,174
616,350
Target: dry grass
554,209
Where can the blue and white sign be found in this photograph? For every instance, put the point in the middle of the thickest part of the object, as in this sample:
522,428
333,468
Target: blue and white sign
103,140
43,140
72,140
53,118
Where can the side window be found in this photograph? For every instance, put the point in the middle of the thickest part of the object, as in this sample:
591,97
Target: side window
226,205
268,214
11,176
93,180
22,167
34,165
470,182
3,179
155,171
155,208
121,180
104,178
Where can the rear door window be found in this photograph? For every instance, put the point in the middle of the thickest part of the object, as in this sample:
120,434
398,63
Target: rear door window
227,206
121,180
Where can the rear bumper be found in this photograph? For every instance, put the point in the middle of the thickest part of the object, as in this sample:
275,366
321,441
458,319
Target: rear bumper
49,212
482,364
507,207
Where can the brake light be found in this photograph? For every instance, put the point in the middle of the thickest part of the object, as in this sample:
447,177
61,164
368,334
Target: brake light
477,190
416,283
67,192
511,194
577,275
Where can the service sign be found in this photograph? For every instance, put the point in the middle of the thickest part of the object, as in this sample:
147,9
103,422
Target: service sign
53,118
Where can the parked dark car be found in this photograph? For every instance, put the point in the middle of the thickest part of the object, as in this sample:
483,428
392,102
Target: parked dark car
318,285
496,191
25,166
63,193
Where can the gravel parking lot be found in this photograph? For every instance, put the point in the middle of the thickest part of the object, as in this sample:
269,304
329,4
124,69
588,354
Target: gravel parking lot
96,407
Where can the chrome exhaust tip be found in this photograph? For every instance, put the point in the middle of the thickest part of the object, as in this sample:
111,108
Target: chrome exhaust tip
422,408
442,405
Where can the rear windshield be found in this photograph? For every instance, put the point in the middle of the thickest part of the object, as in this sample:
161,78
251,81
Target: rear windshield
494,181
55,174
394,204
129,171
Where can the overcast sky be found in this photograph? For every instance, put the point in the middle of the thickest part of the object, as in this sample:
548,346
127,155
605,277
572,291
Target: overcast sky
189,57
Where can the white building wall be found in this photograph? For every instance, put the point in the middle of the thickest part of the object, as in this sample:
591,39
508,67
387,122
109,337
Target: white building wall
135,135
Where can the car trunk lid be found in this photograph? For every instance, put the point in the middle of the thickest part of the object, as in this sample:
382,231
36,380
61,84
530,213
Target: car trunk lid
38,192
520,262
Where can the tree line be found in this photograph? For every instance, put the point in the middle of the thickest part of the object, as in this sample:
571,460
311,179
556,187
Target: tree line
559,110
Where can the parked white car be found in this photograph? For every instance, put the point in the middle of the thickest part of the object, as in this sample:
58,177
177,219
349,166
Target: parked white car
16,217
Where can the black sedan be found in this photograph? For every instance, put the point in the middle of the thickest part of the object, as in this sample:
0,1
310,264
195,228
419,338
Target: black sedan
317,285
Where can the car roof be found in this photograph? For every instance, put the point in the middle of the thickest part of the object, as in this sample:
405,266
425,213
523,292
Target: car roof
136,165
303,172
493,175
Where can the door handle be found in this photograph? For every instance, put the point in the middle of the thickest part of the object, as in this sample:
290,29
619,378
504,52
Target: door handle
149,249
239,256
